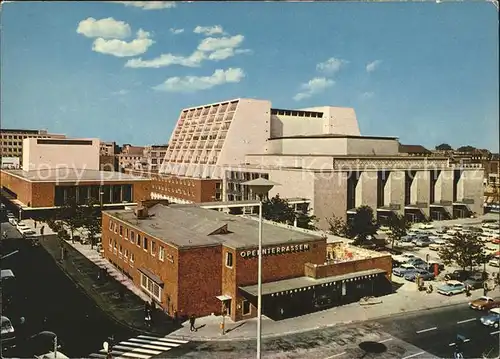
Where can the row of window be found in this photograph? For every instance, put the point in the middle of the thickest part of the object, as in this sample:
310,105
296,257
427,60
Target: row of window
135,238
151,287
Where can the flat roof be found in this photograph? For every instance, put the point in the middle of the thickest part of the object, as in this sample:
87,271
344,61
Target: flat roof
304,282
348,157
71,175
332,135
190,226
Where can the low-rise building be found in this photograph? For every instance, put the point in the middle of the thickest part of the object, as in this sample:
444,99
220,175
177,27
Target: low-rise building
12,140
191,260
131,157
11,163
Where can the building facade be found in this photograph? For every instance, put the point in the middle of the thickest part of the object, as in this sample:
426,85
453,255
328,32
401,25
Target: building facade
195,261
48,153
131,157
12,140
154,156
40,191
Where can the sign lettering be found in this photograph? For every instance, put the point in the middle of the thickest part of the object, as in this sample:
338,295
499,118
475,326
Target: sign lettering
275,250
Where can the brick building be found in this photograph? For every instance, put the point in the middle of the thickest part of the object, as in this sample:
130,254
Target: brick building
196,261
44,190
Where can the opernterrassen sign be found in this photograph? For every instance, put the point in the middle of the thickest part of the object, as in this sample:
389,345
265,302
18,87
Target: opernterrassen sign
275,250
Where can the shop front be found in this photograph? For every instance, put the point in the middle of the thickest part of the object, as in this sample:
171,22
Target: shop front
298,296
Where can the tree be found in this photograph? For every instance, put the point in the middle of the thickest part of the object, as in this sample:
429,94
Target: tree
466,149
278,210
465,249
363,225
91,220
338,227
71,214
398,227
444,147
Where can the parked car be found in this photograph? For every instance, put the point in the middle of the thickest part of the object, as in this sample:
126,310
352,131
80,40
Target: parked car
495,262
451,287
404,245
442,230
422,273
492,319
484,303
22,226
418,263
438,240
27,232
427,226
13,221
435,246
8,332
422,242
403,269
403,258
458,274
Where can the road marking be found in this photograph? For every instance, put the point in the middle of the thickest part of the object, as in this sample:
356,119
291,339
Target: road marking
426,330
413,355
336,355
385,340
452,344
466,320
493,333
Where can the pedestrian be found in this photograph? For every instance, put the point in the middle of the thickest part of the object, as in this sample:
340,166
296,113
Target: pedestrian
4,234
147,319
42,230
35,223
192,320
485,289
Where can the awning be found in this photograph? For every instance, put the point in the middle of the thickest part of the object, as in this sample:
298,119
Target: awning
151,276
351,211
302,283
385,209
224,297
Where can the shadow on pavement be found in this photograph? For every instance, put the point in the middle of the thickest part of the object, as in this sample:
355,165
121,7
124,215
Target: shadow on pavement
370,347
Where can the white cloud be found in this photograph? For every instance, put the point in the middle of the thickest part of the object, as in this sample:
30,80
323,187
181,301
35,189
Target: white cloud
108,28
372,66
367,95
331,66
176,31
148,5
121,92
197,83
313,87
213,49
214,43
209,30
120,48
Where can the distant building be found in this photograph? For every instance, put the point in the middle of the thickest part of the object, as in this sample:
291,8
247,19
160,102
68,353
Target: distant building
198,261
154,156
49,153
11,162
107,156
12,140
131,157
317,154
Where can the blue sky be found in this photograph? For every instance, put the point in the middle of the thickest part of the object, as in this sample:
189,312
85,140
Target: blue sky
425,72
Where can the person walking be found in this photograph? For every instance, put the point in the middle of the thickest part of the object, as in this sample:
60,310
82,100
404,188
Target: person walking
192,321
4,234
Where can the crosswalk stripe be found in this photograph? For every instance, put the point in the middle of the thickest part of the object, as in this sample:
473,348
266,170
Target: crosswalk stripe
138,350
153,342
119,352
164,339
130,344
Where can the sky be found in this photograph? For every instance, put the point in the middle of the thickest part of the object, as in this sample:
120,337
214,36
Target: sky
122,71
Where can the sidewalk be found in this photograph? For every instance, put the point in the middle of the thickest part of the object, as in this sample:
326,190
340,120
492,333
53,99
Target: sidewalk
83,264
404,301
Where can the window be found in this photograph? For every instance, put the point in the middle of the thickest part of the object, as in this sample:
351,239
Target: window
120,251
132,258
125,255
116,228
153,248
111,225
114,247
229,259
126,233
138,240
145,244
151,287
110,243
246,307
121,230
161,254
132,236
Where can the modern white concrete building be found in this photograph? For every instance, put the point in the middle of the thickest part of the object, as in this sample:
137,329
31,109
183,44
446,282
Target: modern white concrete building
319,154
49,153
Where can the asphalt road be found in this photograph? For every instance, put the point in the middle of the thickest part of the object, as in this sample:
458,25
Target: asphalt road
419,335
49,300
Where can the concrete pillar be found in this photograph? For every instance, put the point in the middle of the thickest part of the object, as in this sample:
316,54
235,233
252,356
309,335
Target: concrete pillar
295,211
471,190
394,191
366,190
420,191
443,190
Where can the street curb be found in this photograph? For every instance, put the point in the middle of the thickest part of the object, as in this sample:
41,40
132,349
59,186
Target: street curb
301,331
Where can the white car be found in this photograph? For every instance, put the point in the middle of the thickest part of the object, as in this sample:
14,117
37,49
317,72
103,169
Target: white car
434,246
495,262
403,258
13,221
427,226
22,226
405,245
27,232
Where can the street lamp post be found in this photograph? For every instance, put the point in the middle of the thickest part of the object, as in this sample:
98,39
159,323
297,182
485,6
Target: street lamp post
260,187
